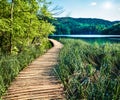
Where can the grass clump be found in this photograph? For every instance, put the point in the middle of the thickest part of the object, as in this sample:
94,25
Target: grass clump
89,71
11,65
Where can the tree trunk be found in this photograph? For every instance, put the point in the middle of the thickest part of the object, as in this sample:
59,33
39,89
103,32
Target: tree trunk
12,10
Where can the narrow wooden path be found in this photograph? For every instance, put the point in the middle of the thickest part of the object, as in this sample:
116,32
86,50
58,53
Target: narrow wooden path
36,82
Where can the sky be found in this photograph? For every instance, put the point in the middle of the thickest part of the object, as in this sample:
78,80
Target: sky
103,9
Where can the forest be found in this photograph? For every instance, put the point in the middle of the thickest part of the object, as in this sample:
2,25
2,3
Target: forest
115,30
77,26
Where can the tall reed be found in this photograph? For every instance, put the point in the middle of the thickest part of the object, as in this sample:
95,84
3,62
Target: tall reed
89,71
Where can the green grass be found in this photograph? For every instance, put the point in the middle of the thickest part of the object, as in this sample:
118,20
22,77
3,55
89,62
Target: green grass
11,65
89,71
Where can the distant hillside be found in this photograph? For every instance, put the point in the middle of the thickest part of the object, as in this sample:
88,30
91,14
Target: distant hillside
115,30
68,25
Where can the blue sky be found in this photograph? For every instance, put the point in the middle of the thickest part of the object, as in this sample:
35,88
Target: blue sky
104,9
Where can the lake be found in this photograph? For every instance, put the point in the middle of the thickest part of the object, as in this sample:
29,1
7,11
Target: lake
113,38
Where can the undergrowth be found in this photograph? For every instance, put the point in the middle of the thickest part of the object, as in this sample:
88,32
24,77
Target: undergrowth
11,65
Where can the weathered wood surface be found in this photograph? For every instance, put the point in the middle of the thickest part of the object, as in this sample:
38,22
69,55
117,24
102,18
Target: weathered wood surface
36,82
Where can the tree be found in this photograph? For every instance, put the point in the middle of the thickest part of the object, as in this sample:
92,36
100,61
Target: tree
22,22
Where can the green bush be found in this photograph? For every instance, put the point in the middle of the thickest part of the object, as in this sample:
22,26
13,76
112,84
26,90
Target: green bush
11,65
89,71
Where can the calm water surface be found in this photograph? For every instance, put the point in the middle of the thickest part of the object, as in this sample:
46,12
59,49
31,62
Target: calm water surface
114,38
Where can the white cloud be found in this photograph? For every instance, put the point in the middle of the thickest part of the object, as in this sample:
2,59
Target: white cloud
93,4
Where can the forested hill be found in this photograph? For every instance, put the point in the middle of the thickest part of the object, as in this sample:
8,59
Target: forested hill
115,29
73,26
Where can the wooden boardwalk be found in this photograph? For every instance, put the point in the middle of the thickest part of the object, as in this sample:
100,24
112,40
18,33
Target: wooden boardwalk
36,82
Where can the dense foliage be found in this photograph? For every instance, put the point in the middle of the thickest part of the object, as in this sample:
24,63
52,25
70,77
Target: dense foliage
22,23
73,26
24,30
90,71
